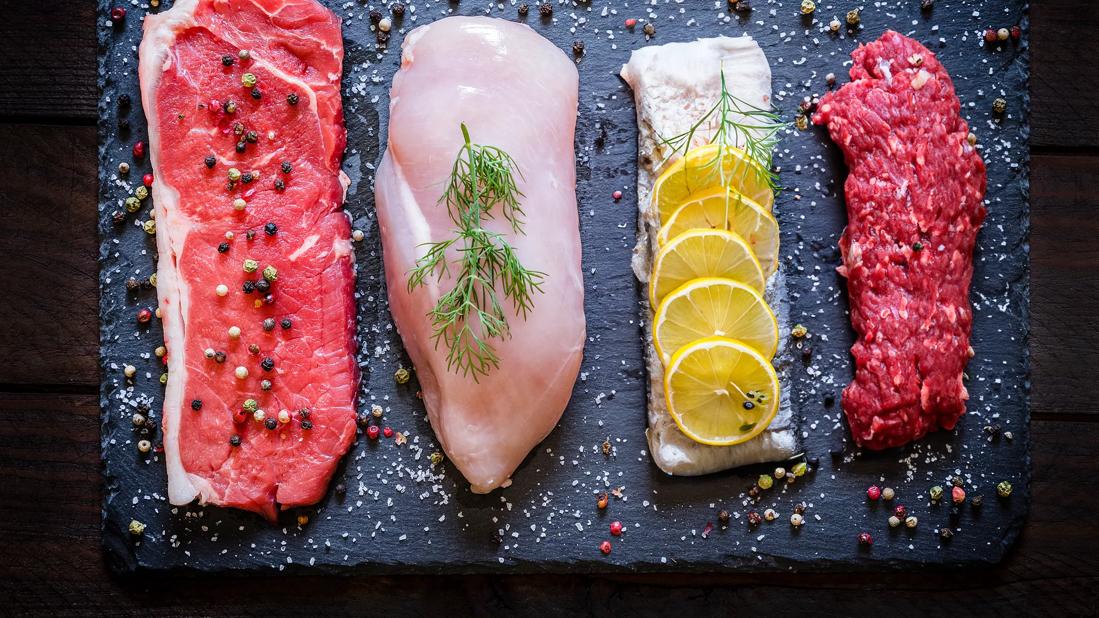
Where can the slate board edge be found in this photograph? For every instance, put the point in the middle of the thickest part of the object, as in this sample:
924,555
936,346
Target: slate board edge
119,548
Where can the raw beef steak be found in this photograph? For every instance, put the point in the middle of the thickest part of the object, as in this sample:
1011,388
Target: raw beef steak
255,275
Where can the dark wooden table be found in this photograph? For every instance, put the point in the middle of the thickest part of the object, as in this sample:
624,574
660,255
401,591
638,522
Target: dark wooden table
50,485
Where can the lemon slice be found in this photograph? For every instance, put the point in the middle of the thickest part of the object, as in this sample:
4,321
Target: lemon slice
720,391
755,225
714,307
710,167
703,253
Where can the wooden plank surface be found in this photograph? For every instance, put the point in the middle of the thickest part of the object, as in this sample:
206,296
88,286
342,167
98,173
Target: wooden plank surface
48,252
47,61
1063,76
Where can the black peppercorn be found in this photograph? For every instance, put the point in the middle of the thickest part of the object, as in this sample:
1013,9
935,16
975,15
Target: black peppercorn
286,324
829,399
132,284
649,29
927,5
253,349
375,16
251,137
545,9
118,217
241,146
270,229
946,534
578,48
263,286
269,324
247,177
267,363
398,10
363,419
307,424
123,101
286,167
292,98
524,8
248,286
210,161
227,60
723,517
279,185
234,440
196,404
250,235
270,423
340,489
256,94
223,247
219,357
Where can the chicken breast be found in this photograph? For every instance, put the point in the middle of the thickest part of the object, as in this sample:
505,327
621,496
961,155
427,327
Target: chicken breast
674,85
491,75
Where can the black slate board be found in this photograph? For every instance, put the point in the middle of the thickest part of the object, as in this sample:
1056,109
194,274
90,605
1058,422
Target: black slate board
402,515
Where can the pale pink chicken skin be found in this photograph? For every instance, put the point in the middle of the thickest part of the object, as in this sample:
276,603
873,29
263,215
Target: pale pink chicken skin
517,91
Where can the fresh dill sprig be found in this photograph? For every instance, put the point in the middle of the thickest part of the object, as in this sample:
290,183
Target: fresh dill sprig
467,317
739,125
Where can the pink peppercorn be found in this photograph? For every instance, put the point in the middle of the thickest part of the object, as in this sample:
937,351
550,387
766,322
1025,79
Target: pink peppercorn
616,528
1016,32
900,511
605,547
617,195
139,150
873,492
118,13
631,22
372,432
865,539
144,315
388,432
147,180
990,35
957,494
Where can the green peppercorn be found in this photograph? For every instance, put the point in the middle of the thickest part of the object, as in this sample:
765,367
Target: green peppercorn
133,204
799,331
250,265
800,468
936,493
1003,489
999,106
250,405
234,174
248,80
401,376
270,273
141,192
765,481
136,527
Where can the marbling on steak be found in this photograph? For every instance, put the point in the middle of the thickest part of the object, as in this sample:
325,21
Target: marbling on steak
914,203
192,75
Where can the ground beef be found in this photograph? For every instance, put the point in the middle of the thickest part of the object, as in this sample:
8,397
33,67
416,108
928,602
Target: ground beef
914,203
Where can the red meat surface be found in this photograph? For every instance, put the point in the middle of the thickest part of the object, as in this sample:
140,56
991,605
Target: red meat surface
294,47
914,196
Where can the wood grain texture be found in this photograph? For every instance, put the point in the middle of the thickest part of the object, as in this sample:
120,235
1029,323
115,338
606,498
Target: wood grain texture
48,252
47,61
51,561
1062,79
1064,284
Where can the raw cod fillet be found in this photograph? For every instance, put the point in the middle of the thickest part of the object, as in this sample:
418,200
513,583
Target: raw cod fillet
516,91
674,85
914,196
296,48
